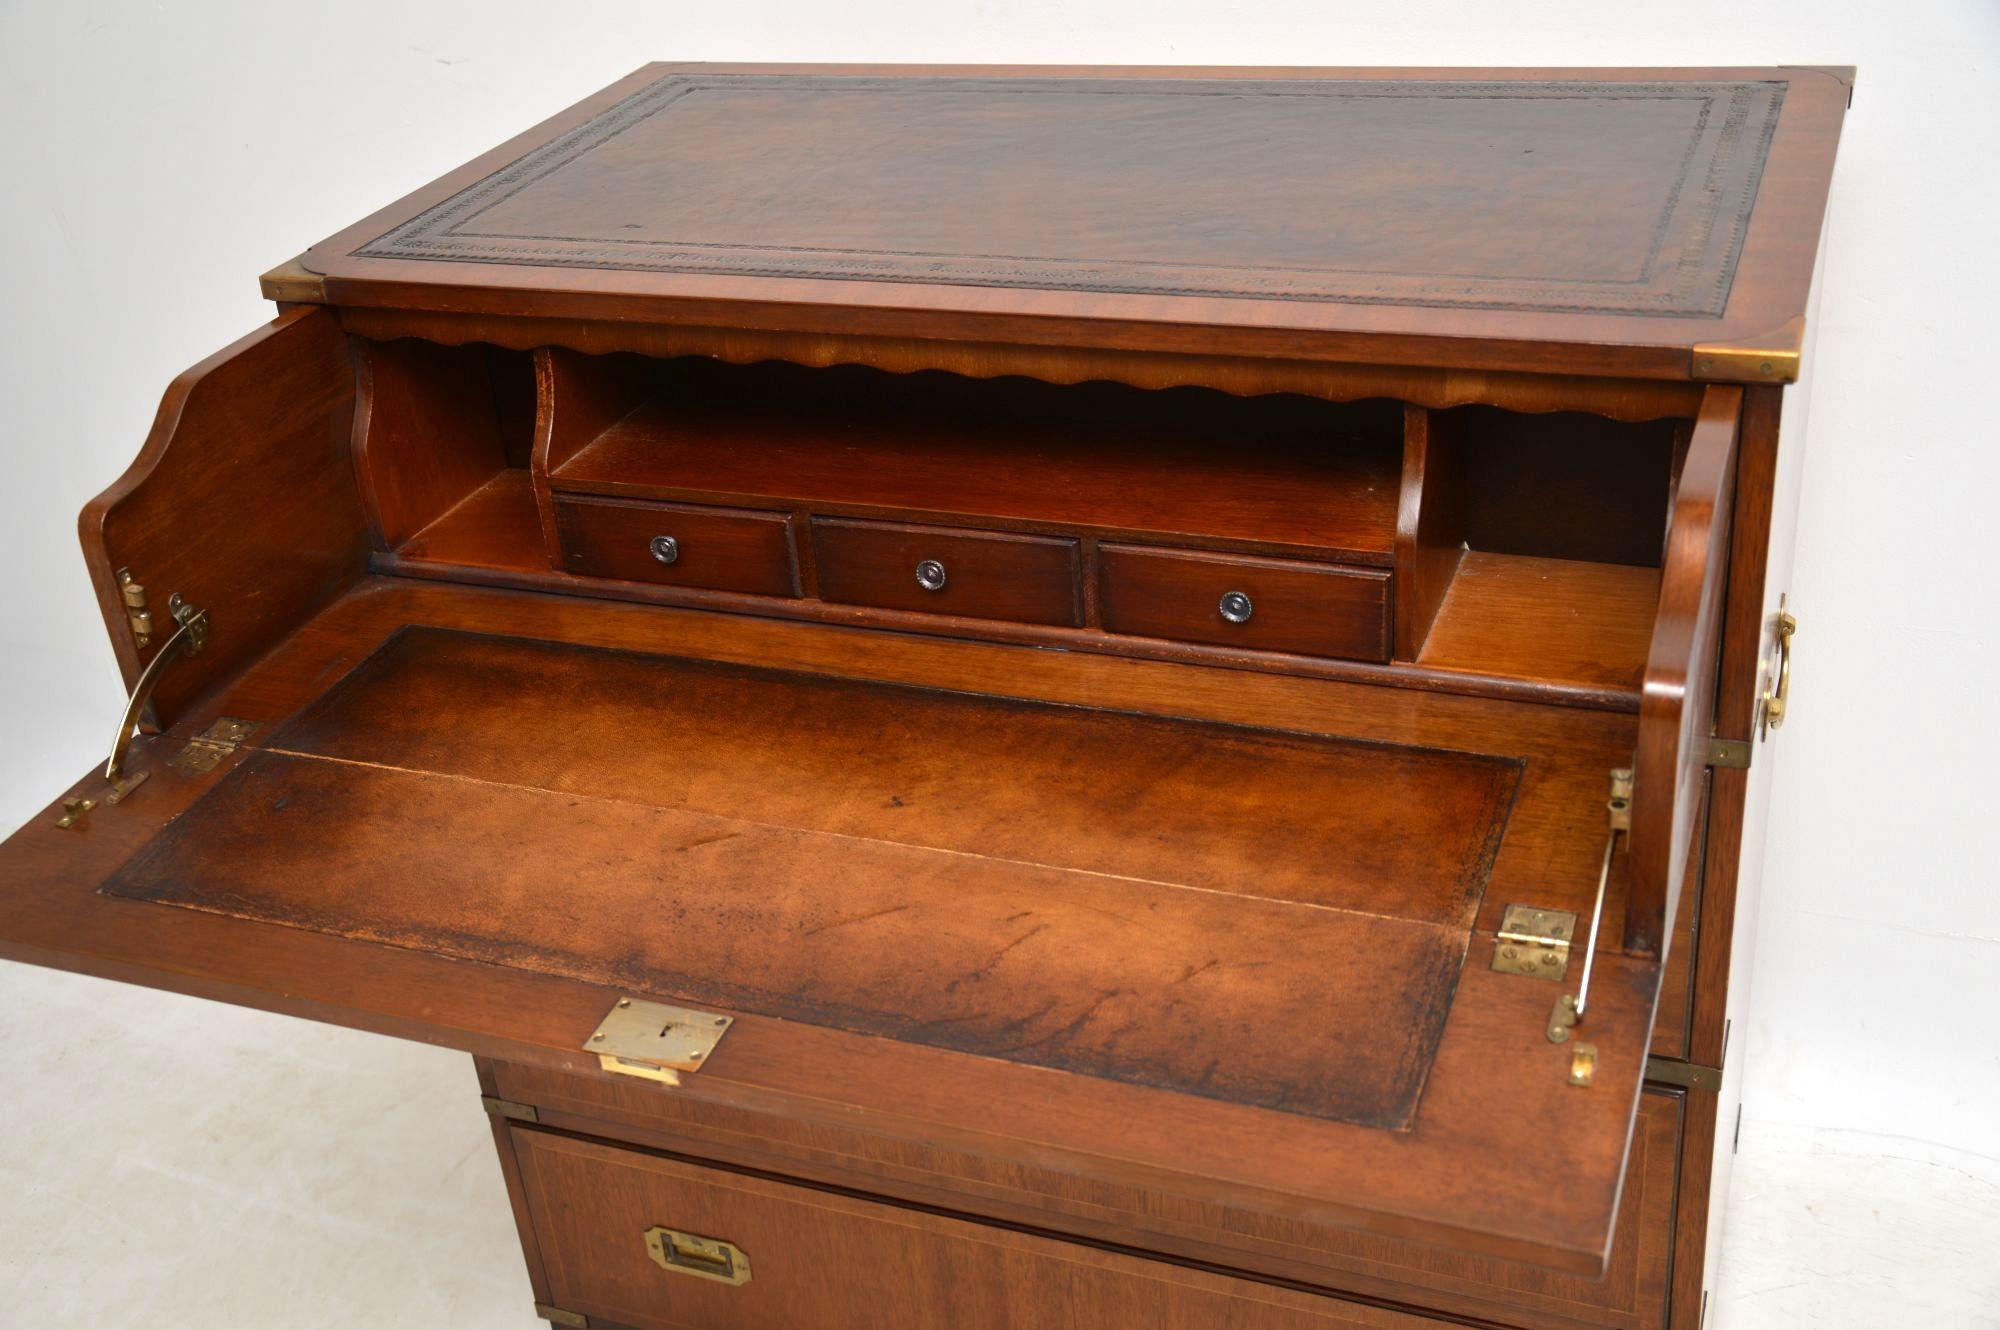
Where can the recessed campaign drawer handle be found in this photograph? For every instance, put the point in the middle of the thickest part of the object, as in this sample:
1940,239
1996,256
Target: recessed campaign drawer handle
666,549
704,1258
1236,607
930,575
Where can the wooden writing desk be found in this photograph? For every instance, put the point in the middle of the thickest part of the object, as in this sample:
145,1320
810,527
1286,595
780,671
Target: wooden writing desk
1006,697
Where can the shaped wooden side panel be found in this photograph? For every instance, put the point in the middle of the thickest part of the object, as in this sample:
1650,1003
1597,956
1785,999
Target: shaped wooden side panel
1430,524
242,501
1677,701
577,398
429,432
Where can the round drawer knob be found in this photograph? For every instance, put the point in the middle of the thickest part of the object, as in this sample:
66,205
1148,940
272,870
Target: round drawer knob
1235,607
930,575
666,549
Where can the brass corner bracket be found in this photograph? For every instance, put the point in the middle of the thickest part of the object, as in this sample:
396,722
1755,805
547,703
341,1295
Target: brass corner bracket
1770,358
292,283
1733,754
1687,1075
509,1109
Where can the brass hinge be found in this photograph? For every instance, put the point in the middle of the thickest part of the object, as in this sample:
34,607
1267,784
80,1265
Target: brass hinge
1731,753
557,1316
1534,942
137,614
655,1041
507,1108
1689,1075
203,753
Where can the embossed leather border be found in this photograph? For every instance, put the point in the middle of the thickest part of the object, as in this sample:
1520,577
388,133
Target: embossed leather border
1708,209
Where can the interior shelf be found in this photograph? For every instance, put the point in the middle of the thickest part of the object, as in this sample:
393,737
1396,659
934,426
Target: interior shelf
1549,620
496,526
1287,475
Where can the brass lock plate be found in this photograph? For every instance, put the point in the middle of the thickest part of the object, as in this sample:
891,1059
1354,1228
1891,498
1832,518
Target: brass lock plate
654,1040
1534,942
691,1254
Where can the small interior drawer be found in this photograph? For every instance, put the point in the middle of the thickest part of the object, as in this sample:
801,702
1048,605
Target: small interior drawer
720,549
1266,604
944,570
662,1244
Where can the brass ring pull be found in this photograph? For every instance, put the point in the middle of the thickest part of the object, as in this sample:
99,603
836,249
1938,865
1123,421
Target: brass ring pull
1778,692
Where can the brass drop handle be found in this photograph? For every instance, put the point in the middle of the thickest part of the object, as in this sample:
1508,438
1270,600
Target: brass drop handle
691,1254
1777,693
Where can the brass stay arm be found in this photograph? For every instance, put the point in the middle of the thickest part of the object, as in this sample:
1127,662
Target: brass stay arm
1570,1010
1618,809
188,640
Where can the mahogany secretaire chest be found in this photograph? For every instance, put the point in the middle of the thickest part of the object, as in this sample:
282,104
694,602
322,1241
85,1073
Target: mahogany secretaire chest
1006,697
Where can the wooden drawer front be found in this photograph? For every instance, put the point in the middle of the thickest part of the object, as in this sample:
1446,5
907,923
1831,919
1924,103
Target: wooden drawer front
1632,1295
987,574
718,549
1307,608
822,1261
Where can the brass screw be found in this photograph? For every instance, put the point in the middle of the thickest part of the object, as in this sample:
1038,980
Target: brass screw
599,1035
624,1002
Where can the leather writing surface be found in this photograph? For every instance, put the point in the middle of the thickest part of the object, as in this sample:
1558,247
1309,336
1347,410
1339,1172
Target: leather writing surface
1610,197
1248,915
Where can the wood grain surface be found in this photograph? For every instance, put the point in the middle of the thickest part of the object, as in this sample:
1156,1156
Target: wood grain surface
1278,472
1175,1220
838,1262
242,501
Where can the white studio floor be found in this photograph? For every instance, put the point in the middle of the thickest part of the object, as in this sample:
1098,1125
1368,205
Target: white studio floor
167,1162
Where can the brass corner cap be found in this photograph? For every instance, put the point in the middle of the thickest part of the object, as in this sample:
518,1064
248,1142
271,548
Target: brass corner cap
292,283
1770,358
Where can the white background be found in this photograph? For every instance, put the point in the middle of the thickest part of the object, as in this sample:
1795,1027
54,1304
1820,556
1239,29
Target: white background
157,157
